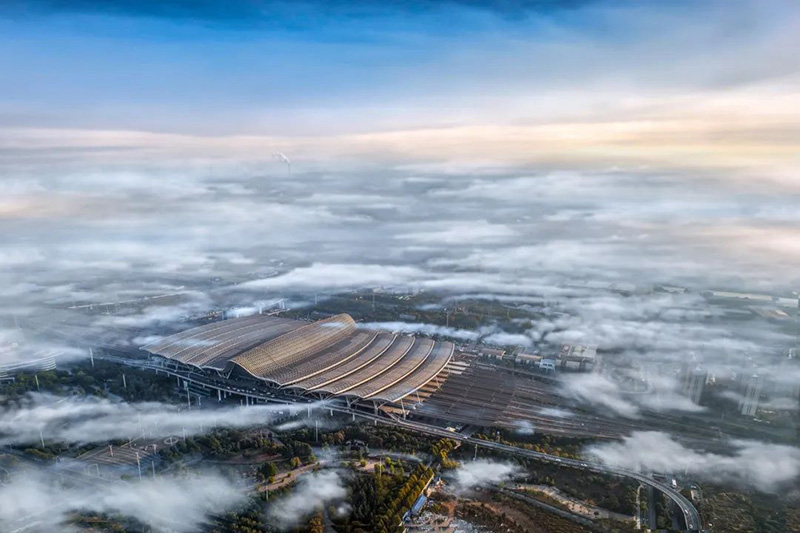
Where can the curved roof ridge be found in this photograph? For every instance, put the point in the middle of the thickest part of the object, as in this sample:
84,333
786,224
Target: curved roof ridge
287,348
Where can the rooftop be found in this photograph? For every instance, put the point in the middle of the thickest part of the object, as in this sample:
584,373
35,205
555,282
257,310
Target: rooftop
329,357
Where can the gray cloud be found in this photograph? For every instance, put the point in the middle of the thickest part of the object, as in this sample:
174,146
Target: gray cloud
765,467
180,504
423,329
85,420
480,473
312,492
600,391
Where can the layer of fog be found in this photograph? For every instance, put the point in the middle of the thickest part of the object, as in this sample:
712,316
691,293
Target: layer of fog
320,423
647,338
486,335
524,427
312,492
77,420
180,233
18,346
423,329
600,391
180,504
481,473
580,249
766,467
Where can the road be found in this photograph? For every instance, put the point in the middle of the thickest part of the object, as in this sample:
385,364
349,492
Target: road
690,515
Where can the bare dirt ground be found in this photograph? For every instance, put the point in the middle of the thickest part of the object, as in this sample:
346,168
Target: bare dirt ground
573,504
484,512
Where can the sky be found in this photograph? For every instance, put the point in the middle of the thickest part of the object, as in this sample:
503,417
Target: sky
646,142
504,149
709,86
573,135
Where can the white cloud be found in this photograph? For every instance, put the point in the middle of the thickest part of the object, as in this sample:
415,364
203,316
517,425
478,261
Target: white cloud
761,465
480,473
601,392
312,492
180,504
460,232
423,329
89,419
507,339
321,276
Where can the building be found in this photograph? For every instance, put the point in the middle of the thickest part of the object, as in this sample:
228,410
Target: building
529,358
469,350
753,386
494,353
323,359
548,365
577,356
693,384
418,505
271,359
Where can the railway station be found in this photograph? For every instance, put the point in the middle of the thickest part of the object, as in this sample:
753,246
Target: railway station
318,360
364,369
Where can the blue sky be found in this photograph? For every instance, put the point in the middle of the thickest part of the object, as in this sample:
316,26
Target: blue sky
301,55
134,65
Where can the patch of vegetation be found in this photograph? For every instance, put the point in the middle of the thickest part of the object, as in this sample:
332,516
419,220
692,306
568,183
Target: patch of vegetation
102,522
569,447
441,449
752,512
104,379
379,500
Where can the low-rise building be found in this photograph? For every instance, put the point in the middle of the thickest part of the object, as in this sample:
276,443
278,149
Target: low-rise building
494,353
548,365
524,357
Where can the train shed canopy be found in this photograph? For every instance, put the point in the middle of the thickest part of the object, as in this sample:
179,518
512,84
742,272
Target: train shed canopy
330,357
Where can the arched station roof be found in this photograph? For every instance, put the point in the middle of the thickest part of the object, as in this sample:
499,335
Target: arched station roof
329,357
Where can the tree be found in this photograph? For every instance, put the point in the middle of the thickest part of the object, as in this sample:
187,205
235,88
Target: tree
315,525
267,471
